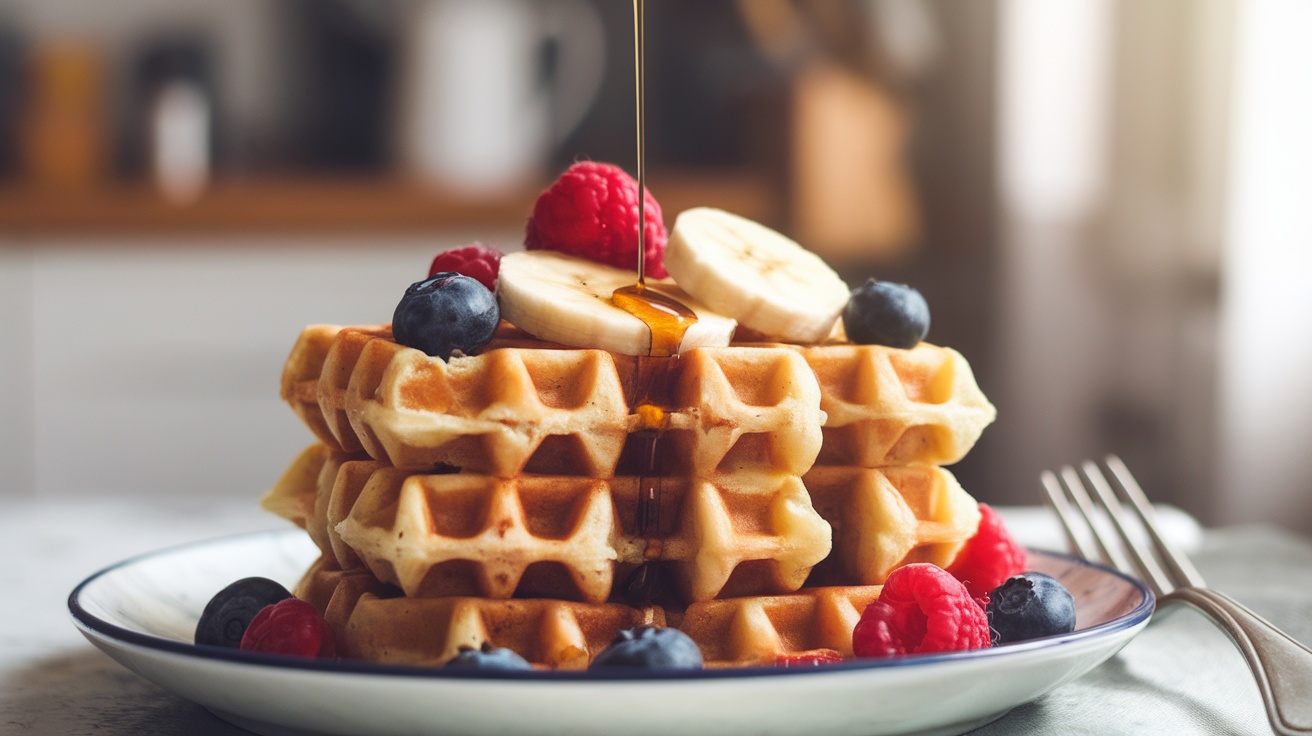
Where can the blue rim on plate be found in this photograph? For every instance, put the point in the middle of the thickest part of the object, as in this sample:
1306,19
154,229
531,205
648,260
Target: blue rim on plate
91,622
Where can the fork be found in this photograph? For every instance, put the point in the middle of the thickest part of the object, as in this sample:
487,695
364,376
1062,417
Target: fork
1281,665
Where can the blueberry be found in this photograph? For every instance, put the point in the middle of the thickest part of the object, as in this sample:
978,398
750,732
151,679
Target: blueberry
445,313
230,611
1029,606
648,646
884,313
488,658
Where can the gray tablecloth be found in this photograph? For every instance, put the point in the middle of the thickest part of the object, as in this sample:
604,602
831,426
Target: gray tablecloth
1181,676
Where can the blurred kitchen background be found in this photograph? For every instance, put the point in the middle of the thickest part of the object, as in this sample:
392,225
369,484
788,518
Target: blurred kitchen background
1106,203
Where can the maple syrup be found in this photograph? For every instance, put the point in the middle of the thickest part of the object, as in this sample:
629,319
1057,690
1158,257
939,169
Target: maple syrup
666,318
667,321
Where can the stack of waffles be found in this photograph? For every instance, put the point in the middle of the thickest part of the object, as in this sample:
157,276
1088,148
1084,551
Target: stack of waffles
543,498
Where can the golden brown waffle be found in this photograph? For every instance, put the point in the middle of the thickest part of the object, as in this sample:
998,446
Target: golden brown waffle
527,406
358,390
756,630
543,410
374,622
885,406
553,536
309,496
293,496
888,517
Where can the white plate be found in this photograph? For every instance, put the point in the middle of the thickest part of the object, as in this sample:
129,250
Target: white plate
143,613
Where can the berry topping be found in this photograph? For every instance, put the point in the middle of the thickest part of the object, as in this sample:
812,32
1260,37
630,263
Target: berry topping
476,261
592,212
445,313
922,609
230,611
488,657
651,647
811,658
1029,606
988,558
884,313
290,626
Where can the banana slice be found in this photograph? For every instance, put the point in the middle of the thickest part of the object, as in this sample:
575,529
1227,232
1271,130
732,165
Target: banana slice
747,271
564,299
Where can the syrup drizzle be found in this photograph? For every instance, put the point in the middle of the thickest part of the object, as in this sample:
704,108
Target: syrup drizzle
666,318
667,321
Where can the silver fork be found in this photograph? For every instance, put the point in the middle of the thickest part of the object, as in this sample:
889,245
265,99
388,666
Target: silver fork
1281,666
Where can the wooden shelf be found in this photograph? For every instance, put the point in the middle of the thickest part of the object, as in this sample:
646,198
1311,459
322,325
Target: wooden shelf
296,205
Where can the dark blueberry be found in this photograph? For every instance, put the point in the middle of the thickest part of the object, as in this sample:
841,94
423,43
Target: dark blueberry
230,611
651,647
884,313
445,313
1029,606
488,658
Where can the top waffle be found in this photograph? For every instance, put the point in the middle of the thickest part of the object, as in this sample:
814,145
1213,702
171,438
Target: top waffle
527,406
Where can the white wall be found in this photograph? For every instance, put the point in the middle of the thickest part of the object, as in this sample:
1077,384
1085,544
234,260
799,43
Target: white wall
16,370
154,366
1112,164
1265,432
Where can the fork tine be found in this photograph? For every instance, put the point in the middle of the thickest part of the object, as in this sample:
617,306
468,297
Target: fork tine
1066,514
1180,567
1075,490
1141,556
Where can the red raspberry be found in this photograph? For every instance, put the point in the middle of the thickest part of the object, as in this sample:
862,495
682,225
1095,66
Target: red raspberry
922,609
290,626
811,658
988,558
476,261
592,212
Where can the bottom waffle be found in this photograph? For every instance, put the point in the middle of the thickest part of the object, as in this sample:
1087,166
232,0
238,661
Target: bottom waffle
373,621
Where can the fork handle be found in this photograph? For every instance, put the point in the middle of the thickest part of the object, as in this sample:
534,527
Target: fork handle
1281,666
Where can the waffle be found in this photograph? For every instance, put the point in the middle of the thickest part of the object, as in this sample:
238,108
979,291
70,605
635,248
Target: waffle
306,494
526,406
294,495
553,536
888,517
357,390
896,407
374,622
756,630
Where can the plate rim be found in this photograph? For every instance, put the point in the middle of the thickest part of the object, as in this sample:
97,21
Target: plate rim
92,624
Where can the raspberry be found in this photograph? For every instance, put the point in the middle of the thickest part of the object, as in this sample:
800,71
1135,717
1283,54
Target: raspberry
922,609
810,658
592,212
290,626
988,558
476,261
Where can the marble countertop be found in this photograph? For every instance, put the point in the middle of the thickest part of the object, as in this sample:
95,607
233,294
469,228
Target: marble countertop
1180,676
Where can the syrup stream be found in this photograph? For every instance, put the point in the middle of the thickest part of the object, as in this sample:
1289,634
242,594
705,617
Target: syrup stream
667,321
640,85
